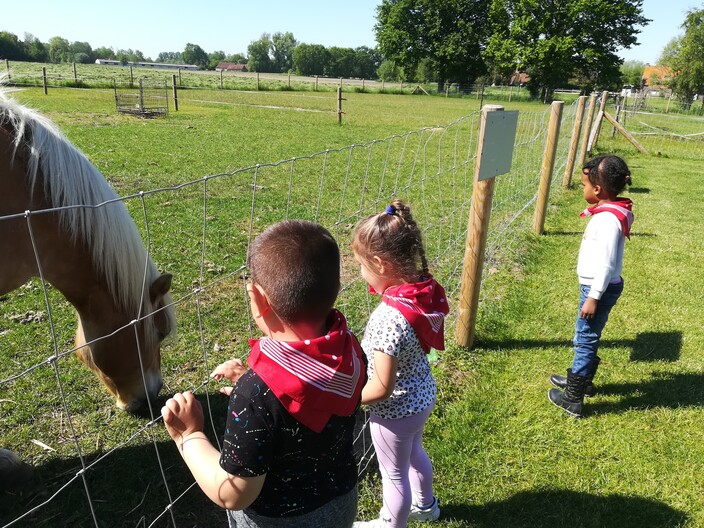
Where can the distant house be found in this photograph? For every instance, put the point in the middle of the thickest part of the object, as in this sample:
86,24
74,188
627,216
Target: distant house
519,78
656,77
230,66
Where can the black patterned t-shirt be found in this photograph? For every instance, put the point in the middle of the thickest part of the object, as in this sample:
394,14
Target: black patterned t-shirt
304,469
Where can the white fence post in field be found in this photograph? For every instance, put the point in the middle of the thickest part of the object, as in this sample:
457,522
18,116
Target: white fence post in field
587,131
574,142
541,205
494,154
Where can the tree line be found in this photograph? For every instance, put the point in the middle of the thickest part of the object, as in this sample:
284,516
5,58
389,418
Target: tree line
555,43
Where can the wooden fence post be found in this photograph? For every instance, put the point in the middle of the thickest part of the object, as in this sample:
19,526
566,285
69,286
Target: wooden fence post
594,138
477,227
7,69
175,91
587,130
339,105
75,76
221,79
618,117
131,77
44,79
257,81
574,142
541,205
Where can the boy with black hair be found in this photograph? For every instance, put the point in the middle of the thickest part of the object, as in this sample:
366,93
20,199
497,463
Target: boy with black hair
287,456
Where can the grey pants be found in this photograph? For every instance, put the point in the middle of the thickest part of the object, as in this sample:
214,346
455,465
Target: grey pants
338,513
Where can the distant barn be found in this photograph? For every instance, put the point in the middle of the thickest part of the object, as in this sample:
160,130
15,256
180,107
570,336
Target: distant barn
230,66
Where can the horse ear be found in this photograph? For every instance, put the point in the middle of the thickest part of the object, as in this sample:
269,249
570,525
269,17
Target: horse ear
160,287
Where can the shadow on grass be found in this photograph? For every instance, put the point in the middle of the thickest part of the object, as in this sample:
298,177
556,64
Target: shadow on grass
556,508
126,486
647,346
126,489
661,390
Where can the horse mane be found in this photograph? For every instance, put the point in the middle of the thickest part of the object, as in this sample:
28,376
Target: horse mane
72,183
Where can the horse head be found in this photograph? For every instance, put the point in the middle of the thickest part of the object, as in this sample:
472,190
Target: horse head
126,354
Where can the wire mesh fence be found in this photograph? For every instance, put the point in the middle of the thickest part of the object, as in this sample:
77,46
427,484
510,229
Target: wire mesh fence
97,467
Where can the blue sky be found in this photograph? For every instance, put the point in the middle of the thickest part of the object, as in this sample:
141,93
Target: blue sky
152,26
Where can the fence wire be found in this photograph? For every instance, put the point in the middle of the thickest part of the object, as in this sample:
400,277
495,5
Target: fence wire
95,465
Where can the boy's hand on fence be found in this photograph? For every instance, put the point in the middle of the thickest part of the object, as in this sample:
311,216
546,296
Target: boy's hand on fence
231,371
183,416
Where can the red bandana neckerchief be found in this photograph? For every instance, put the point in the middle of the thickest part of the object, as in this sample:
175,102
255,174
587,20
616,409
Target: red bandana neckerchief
620,208
424,305
316,378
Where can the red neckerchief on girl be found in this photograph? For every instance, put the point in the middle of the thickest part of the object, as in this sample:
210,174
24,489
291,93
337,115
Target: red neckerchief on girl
315,378
620,207
424,305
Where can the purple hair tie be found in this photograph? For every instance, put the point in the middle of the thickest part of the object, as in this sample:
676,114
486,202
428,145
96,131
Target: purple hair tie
390,210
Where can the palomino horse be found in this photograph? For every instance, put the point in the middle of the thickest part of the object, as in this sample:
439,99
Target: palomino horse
54,220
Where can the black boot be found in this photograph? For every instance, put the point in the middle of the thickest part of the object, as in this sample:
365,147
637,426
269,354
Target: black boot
572,399
590,390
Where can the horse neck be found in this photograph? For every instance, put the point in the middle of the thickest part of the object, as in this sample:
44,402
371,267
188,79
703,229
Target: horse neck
70,269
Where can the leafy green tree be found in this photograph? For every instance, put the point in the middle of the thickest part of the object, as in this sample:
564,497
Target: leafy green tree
123,57
104,53
389,71
82,52
554,40
237,58
170,57
194,54
259,52
450,33
282,48
425,72
215,58
500,54
311,59
366,62
669,52
59,50
34,49
632,73
342,61
10,47
688,62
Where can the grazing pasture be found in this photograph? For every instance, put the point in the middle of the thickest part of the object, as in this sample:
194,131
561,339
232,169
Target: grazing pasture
201,181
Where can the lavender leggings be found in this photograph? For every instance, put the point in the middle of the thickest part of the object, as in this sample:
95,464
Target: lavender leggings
406,470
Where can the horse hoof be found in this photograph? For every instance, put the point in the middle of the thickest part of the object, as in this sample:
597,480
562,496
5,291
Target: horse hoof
13,472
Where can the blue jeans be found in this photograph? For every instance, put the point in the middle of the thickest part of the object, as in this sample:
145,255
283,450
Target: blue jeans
588,331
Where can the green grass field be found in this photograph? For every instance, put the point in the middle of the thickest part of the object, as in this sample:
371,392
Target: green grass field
503,455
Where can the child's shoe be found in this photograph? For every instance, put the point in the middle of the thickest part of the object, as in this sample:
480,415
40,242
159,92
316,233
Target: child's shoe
431,513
